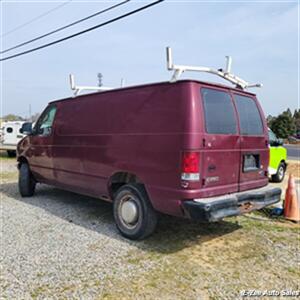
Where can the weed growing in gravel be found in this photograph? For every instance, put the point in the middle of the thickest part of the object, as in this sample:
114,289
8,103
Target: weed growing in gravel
8,176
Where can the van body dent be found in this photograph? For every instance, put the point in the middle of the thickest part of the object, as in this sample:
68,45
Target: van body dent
190,149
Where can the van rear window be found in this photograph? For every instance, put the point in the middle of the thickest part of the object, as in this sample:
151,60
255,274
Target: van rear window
218,111
250,120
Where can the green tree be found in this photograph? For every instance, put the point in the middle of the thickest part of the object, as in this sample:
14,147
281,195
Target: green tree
296,118
12,117
288,113
284,125
270,120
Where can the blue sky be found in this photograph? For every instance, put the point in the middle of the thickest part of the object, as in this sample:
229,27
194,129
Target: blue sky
262,38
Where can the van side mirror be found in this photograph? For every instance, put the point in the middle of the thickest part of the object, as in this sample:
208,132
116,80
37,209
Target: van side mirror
26,128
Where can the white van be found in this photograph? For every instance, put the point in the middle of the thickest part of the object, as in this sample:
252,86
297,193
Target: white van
10,136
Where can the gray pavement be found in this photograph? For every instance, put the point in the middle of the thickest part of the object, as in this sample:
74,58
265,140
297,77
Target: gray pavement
293,151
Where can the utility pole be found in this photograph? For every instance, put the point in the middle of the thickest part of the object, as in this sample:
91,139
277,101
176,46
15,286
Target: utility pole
100,77
29,112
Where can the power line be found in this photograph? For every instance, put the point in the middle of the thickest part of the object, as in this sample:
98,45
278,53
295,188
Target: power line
35,18
84,31
64,27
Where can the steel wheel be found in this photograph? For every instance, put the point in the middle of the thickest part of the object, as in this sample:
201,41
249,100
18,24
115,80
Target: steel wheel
133,212
279,176
280,172
129,211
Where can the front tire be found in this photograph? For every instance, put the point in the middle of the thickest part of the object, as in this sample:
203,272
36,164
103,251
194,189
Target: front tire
133,213
279,176
26,181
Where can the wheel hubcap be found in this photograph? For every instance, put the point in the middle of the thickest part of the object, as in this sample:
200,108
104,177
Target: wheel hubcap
280,172
129,212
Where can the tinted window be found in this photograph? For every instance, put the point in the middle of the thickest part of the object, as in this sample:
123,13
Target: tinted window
250,120
218,112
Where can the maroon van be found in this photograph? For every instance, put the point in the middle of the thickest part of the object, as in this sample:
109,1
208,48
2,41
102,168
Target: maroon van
190,149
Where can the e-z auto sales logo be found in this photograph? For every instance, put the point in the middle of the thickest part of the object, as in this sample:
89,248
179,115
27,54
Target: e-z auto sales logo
270,293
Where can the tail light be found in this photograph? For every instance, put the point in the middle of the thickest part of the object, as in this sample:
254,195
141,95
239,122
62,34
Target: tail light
190,166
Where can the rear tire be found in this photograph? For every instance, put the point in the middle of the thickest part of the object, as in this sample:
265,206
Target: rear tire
133,213
11,153
26,181
279,176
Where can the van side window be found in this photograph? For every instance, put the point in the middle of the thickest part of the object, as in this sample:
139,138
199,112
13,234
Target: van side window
219,112
250,120
44,124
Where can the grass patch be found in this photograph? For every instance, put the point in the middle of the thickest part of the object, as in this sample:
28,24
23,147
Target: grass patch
37,292
295,270
4,156
278,225
8,176
212,262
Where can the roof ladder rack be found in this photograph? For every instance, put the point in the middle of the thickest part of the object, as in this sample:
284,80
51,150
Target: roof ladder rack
225,74
78,89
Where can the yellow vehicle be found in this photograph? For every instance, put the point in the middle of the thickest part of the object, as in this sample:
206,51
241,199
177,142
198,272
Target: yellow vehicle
277,164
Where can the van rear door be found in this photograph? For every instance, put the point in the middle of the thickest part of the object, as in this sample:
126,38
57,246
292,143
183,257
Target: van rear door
221,143
254,143
11,133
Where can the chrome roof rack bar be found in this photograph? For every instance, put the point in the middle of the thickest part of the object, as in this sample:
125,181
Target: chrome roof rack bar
225,74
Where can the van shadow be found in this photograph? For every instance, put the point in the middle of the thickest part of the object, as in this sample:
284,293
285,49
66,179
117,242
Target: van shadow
172,234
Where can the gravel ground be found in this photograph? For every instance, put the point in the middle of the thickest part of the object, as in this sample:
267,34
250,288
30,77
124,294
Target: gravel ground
59,245
8,165
59,242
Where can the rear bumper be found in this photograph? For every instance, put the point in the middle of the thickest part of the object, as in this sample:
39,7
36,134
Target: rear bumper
216,208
